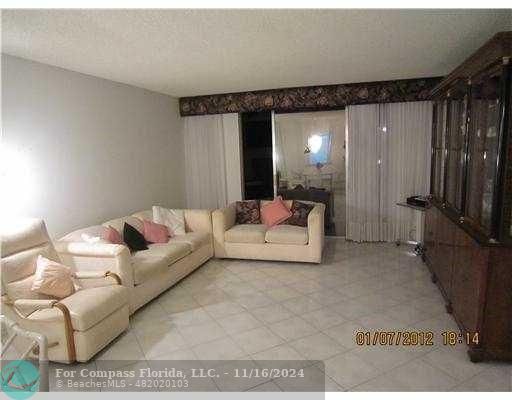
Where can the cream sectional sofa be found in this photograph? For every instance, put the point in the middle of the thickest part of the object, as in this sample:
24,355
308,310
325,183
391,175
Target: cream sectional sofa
149,272
280,243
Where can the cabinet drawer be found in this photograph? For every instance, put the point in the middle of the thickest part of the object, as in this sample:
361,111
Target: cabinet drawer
443,262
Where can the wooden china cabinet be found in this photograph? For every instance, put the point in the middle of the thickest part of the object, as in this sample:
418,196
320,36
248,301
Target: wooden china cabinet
468,229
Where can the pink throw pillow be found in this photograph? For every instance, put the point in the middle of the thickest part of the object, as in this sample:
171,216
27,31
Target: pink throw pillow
156,233
111,235
275,212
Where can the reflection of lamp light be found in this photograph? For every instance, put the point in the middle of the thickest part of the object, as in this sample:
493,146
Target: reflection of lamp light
314,143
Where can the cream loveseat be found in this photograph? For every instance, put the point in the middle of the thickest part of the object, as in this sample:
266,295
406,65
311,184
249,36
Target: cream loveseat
146,273
77,326
279,243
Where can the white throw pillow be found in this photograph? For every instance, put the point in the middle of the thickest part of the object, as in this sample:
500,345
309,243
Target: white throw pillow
92,239
173,219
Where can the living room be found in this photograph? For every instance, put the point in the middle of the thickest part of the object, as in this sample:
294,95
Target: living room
325,193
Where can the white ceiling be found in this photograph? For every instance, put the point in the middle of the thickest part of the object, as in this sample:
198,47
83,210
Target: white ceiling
193,52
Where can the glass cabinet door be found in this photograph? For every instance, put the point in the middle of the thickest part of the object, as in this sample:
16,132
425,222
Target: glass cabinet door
483,149
456,141
439,147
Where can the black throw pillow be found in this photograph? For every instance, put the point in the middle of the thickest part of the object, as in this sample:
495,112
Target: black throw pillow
133,238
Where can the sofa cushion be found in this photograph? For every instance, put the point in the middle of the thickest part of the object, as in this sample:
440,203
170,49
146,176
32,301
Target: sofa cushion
170,251
118,223
287,203
275,212
246,233
155,233
146,266
17,271
248,212
22,289
53,278
194,239
111,235
172,218
90,306
133,238
157,259
287,234
300,212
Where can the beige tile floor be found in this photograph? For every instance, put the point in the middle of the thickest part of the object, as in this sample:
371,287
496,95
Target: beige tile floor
256,310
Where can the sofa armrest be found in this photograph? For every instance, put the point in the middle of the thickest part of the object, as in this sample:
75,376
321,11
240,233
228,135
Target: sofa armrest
104,278
198,221
25,307
316,226
90,274
98,257
223,219
90,249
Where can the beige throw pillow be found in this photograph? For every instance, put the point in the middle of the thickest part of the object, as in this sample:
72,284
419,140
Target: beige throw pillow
53,279
173,219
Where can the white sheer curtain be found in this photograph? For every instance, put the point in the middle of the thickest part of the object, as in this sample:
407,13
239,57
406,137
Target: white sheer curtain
363,219
206,183
388,160
405,168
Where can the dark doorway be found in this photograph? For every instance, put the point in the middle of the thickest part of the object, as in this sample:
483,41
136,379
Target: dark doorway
257,155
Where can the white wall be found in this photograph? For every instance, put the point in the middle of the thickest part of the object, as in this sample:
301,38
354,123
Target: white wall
81,150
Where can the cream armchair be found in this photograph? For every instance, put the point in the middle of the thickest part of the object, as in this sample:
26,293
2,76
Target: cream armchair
76,327
280,243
